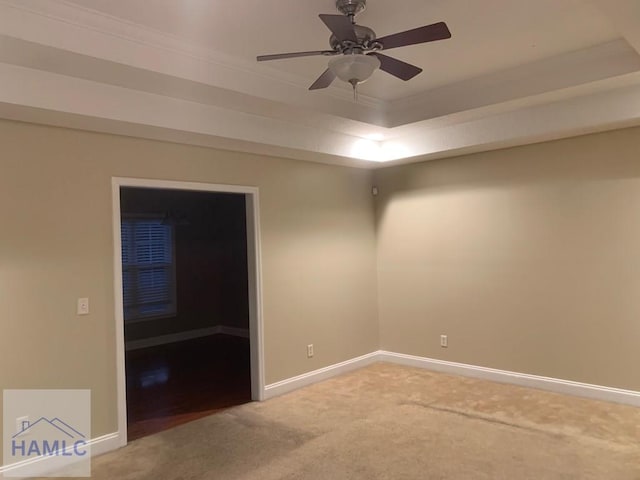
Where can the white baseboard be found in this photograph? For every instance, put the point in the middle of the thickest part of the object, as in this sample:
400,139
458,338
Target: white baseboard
567,387
294,383
99,446
105,444
186,335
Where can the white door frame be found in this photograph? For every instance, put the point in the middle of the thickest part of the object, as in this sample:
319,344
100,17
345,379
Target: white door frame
255,282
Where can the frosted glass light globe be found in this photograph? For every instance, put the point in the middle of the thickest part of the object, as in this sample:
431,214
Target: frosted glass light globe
354,68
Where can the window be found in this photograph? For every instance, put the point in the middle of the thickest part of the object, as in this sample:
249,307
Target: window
148,268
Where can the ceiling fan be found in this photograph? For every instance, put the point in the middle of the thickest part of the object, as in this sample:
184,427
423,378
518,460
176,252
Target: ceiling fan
357,50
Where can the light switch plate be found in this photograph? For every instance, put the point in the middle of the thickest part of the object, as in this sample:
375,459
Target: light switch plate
83,306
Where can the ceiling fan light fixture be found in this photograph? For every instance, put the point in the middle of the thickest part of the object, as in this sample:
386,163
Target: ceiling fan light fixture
354,68
356,49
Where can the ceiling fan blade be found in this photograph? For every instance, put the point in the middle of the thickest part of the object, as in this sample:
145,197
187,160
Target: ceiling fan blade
341,27
279,56
403,70
323,80
428,33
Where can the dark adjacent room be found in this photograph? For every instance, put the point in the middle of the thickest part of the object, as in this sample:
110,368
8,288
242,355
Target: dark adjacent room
185,305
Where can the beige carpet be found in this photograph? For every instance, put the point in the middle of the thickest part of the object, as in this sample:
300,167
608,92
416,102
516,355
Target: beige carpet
392,422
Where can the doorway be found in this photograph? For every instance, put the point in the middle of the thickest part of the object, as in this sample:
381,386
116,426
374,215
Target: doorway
187,302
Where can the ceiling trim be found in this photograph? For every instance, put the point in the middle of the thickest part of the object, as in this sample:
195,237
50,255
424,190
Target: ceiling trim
30,55
74,97
22,113
599,62
595,112
49,91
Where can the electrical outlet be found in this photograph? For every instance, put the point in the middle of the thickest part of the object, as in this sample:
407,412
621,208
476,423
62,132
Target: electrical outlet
310,350
83,306
444,341
21,424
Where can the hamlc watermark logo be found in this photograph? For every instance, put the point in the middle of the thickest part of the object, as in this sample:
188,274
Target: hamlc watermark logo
47,433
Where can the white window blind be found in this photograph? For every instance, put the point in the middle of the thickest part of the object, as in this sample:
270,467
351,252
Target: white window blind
148,271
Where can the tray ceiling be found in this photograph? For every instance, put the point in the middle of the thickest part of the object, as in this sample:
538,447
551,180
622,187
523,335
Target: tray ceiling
514,72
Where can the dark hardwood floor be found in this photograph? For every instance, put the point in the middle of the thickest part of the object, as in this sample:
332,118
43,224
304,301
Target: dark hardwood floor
172,384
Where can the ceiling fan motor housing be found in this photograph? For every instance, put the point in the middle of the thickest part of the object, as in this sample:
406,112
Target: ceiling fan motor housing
366,40
351,7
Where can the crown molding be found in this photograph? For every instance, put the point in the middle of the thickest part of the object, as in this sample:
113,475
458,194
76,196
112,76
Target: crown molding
91,100
559,73
96,106
567,117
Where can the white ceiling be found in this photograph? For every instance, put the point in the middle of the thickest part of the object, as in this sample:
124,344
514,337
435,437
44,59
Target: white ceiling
514,71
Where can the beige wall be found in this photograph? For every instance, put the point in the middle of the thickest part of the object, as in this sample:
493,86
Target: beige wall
318,255
527,258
